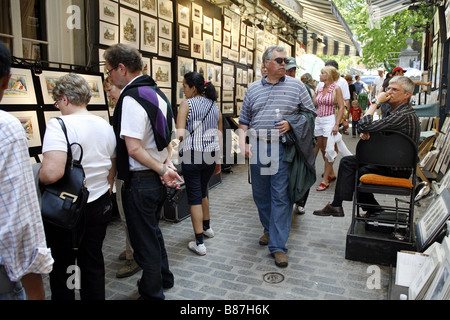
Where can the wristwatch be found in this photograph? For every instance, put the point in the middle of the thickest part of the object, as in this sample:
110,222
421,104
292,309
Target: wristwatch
164,169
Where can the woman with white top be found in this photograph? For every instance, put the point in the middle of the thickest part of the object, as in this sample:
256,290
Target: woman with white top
72,93
199,129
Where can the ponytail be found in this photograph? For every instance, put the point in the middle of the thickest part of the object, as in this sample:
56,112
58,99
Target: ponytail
195,79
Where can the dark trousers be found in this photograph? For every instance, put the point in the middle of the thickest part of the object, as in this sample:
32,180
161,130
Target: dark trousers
143,198
345,184
88,257
355,127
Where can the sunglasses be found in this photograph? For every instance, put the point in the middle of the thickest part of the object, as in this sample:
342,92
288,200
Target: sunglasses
280,60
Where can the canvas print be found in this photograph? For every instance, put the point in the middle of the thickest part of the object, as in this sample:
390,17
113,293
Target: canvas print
20,89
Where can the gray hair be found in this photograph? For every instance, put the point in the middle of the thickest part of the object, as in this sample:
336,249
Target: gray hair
406,83
74,87
121,53
268,54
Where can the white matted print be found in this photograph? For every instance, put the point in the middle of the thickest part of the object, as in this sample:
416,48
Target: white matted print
183,35
129,28
20,89
197,13
109,11
183,15
30,124
196,48
161,73
207,24
149,6
165,29
130,3
97,92
185,65
208,47
48,80
165,10
149,35
108,33
217,29
165,48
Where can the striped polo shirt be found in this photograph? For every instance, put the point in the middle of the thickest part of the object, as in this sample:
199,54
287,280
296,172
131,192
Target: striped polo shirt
262,98
205,138
325,102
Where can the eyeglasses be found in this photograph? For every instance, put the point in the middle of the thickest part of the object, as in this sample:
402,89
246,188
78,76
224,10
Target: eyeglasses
108,72
56,103
393,89
281,60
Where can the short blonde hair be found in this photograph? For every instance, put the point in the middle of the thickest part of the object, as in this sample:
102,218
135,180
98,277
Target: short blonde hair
332,73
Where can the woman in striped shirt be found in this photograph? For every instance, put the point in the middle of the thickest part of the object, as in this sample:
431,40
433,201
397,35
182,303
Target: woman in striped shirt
199,129
327,123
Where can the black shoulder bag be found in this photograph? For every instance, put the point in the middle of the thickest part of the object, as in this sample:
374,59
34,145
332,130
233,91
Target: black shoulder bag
63,202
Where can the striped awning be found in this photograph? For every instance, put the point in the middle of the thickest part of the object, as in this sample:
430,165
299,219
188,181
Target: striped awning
379,9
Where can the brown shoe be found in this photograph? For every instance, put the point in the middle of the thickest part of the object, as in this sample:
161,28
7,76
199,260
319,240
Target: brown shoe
129,268
330,211
264,240
281,259
123,255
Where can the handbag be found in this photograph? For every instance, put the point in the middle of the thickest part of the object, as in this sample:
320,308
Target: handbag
63,202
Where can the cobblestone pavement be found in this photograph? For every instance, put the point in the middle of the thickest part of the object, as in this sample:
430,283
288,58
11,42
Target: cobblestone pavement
235,264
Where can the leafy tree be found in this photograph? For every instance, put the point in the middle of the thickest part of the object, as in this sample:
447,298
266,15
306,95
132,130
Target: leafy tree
387,36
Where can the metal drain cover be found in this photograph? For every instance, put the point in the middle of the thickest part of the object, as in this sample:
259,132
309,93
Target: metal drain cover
273,277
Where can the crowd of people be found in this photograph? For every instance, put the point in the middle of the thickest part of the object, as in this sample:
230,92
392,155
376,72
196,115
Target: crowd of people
134,156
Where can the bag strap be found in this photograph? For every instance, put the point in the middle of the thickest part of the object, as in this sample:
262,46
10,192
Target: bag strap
69,145
210,108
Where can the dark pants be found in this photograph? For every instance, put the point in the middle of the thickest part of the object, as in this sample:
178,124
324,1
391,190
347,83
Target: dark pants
89,256
143,199
355,127
345,184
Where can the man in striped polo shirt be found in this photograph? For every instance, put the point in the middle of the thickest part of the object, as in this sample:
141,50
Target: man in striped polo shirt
269,174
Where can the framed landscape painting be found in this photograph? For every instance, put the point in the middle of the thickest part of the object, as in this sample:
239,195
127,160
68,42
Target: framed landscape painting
20,89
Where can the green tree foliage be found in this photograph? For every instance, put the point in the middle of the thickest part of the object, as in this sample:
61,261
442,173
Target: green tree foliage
386,36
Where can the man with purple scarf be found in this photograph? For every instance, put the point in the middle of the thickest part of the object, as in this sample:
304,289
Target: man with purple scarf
142,122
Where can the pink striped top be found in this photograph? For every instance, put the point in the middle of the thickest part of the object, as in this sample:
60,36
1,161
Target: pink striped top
325,103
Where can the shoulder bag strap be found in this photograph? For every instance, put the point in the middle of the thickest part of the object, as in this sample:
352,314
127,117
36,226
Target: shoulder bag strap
69,145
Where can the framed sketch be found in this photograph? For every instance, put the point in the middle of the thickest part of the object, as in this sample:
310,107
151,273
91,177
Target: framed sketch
165,29
197,13
227,108
197,30
227,23
217,51
97,92
150,7
129,28
146,66
243,42
228,69
243,28
250,76
109,11
225,52
183,35
165,10
228,81
207,24
208,47
20,89
233,56
226,39
250,43
250,57
183,15
210,72
201,68
196,48
130,3
234,42
48,80
29,121
161,72
217,80
217,25
165,48
149,34
108,33
101,60
180,94
185,65
251,32
239,107
168,93
227,95
243,55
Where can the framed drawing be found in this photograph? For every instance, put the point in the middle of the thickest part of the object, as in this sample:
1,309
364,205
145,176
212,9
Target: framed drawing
146,66
227,23
161,72
197,13
227,95
196,48
130,3
250,43
201,68
165,48
108,33
109,11
207,24
168,93
197,30
180,94
243,55
217,80
233,56
165,10
183,35
149,35
97,92
20,89
225,52
48,80
227,108
217,25
228,69
129,28
29,121
208,47
217,52
165,29
150,7
183,15
251,32
228,82
185,65
250,57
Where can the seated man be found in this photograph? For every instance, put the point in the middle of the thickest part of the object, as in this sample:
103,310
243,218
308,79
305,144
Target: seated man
397,115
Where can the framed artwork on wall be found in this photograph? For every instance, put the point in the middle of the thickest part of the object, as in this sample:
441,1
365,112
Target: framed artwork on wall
197,13
20,89
165,48
161,73
129,28
149,35
48,80
165,29
196,48
217,24
97,92
165,10
108,33
29,121
183,15
130,3
109,11
150,7
185,65
183,35
207,24
208,47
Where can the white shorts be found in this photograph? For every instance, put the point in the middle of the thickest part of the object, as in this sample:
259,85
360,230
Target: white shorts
324,125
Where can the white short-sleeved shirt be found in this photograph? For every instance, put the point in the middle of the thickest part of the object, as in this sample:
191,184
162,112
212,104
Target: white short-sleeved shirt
97,138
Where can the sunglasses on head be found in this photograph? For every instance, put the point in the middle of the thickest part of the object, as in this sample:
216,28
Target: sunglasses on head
280,60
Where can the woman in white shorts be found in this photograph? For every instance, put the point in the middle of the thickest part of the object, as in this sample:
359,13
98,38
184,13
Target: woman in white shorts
327,122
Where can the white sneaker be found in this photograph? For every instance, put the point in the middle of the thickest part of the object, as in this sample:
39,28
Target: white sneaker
209,233
198,249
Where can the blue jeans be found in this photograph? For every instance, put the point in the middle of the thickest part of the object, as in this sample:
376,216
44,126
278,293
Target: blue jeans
18,293
143,198
270,182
